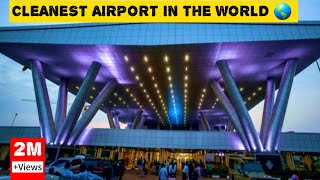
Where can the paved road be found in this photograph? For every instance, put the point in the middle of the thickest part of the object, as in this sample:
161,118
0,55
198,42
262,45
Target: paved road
131,175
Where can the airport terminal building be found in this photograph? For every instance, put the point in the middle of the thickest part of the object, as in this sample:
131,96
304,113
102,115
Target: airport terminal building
184,90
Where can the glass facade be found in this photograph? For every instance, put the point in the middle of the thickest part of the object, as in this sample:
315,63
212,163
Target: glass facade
138,138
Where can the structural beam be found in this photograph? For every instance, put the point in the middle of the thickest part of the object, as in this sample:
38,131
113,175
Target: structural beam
267,109
231,113
48,130
280,106
110,120
136,120
239,106
77,105
116,121
142,121
201,125
91,112
61,109
230,127
205,121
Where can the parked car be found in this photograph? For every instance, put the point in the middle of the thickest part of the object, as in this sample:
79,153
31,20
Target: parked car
246,168
101,167
58,165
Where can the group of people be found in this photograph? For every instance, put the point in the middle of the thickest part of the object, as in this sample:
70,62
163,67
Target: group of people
190,170
85,173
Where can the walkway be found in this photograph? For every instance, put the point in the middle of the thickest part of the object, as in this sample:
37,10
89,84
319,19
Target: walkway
131,175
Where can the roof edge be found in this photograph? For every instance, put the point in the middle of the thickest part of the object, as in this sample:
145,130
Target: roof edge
79,25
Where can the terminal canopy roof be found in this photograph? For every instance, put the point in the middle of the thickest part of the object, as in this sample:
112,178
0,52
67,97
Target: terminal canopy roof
165,69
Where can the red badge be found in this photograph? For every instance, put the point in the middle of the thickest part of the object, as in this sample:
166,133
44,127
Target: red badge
27,158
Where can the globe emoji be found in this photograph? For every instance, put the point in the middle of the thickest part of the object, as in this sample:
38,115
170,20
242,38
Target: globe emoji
282,11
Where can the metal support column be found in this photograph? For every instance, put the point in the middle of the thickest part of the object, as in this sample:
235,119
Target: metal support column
91,112
61,109
267,109
116,121
78,103
230,127
280,105
205,121
142,121
239,106
201,125
136,120
47,127
215,86
110,120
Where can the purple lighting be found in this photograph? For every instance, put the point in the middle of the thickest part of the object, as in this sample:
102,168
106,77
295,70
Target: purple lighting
84,136
112,62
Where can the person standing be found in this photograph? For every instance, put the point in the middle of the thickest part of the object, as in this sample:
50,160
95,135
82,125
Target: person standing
163,174
172,169
197,172
185,171
66,173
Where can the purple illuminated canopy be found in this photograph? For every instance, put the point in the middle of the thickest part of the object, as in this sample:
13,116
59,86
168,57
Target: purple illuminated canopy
251,64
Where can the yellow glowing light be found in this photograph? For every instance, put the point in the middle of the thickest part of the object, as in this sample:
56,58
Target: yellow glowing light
132,68
126,58
150,69
166,59
145,59
187,58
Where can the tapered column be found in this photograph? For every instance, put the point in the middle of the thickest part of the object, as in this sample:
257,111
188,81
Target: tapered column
141,124
110,119
91,112
136,120
205,121
230,127
231,113
280,106
47,127
77,105
267,109
201,125
239,106
116,120
61,109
